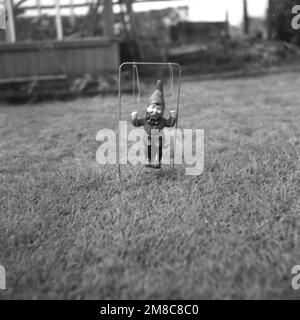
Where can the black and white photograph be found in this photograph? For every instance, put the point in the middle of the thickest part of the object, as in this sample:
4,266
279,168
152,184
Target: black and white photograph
149,151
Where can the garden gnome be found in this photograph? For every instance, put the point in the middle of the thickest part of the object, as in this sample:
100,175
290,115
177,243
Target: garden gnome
154,120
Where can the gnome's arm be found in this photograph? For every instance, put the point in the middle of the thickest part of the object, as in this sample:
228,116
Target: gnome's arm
171,121
135,121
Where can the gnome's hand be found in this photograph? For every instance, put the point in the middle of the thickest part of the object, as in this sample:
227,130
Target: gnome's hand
134,115
173,114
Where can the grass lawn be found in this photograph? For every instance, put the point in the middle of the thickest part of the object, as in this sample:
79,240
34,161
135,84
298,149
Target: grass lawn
70,229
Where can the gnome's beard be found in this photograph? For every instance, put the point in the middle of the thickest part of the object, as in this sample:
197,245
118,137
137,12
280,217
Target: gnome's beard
153,118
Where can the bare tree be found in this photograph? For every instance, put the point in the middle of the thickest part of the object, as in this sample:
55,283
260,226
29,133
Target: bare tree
270,18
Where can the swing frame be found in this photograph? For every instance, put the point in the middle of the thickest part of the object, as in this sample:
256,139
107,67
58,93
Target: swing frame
134,65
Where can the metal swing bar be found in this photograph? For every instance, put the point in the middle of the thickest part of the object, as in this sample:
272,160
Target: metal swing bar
157,64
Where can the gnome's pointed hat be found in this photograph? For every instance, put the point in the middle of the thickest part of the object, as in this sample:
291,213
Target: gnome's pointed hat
158,94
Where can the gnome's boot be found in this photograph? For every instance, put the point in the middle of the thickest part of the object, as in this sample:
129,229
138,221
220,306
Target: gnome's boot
148,164
158,155
157,165
154,156
148,161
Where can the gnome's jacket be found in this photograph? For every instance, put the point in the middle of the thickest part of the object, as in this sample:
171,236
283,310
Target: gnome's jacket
162,124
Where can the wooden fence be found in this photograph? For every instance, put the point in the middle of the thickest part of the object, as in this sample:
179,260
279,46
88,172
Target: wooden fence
72,58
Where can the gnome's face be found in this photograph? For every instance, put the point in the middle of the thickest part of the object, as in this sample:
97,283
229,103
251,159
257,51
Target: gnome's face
156,105
154,114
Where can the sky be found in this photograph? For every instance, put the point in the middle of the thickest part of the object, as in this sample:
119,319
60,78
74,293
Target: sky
199,10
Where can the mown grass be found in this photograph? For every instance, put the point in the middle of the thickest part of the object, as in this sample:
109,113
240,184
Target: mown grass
70,230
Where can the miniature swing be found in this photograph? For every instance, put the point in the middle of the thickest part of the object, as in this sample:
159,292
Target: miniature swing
135,78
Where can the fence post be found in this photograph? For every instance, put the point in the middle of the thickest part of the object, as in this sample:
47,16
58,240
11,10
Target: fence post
2,278
10,32
108,18
59,28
